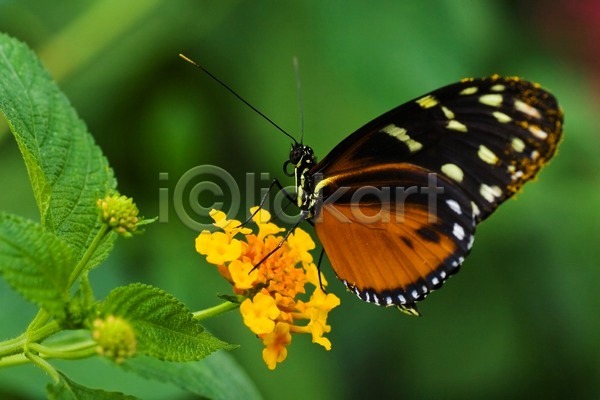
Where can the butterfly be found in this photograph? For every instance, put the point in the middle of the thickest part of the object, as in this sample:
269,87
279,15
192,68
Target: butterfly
396,204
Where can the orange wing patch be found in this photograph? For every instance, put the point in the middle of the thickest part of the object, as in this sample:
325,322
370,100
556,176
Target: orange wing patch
394,260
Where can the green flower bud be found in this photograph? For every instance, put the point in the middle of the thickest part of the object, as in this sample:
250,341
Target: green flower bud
115,337
120,213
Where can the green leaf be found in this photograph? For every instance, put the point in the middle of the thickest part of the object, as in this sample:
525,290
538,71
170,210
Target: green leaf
164,327
66,389
217,377
67,170
35,263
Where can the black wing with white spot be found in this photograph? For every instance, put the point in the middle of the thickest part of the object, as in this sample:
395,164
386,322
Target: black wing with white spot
488,135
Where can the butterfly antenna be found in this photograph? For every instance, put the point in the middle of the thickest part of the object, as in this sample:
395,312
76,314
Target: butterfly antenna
299,91
238,96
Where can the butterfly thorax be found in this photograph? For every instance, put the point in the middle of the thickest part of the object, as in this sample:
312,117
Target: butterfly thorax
303,159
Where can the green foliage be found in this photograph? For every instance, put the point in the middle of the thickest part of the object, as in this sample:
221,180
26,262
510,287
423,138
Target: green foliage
163,325
68,172
49,262
66,389
217,377
35,263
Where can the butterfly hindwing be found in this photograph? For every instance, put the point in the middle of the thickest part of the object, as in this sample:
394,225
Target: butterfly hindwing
393,245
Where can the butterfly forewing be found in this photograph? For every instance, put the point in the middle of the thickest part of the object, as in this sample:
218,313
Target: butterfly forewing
481,138
489,135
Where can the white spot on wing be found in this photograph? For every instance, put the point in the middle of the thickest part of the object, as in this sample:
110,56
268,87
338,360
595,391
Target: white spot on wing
489,192
517,144
501,117
454,206
527,109
498,87
470,243
402,135
516,175
476,211
448,113
453,171
469,90
494,100
458,231
427,101
456,126
487,155
537,132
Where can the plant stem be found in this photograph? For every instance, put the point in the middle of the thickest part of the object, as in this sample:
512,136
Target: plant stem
16,345
76,350
10,342
80,350
102,232
45,365
39,320
12,346
216,310
15,359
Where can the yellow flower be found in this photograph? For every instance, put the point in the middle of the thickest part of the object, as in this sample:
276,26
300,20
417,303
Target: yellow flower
259,313
273,309
262,218
218,247
230,227
275,345
313,274
316,311
302,243
242,274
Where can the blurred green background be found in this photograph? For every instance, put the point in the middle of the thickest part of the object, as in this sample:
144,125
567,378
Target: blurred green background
522,318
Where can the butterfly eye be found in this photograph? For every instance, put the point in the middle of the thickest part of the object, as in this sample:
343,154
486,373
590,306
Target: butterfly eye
296,154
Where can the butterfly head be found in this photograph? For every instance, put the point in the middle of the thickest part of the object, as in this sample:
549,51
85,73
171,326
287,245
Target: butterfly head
302,159
301,154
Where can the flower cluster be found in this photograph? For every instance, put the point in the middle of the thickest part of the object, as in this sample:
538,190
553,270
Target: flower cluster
272,309
115,338
120,213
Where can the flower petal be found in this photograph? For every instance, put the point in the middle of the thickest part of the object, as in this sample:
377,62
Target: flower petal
259,313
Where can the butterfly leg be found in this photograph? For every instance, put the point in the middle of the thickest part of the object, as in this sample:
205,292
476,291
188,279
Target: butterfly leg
319,270
274,183
303,216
